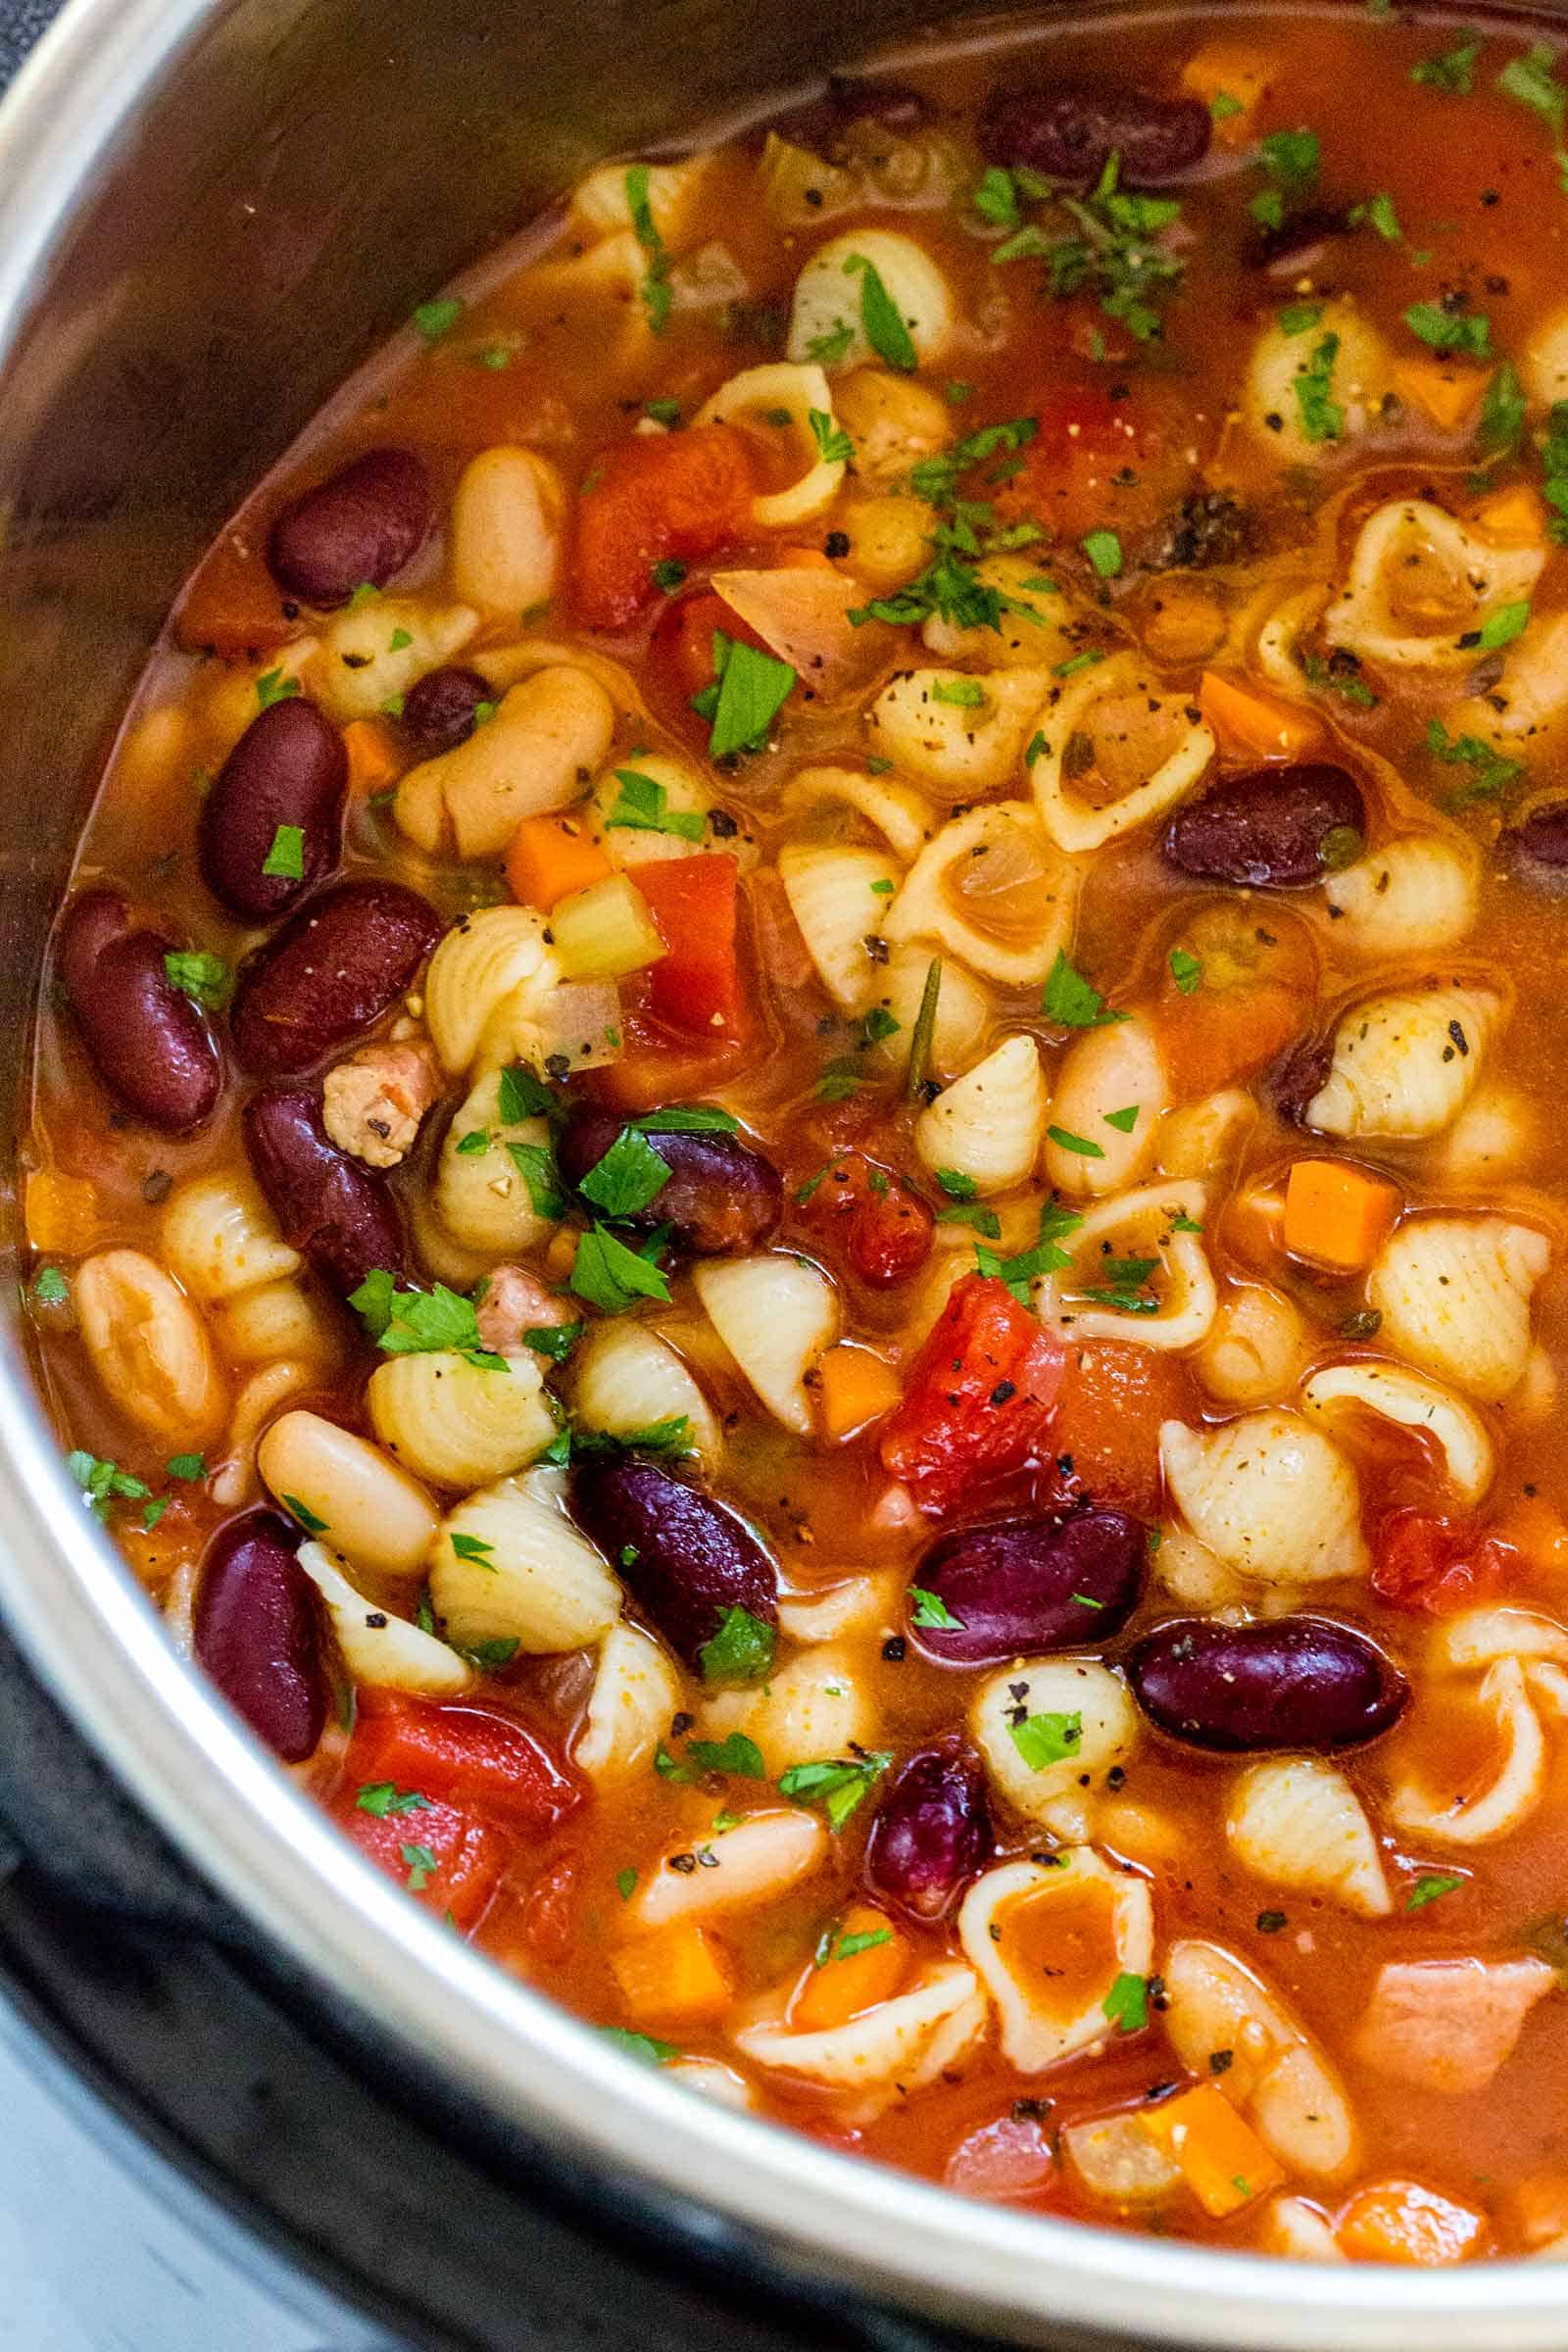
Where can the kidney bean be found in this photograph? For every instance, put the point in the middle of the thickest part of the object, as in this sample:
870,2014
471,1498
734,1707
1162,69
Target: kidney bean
438,709
149,1042
363,523
289,767
1030,1585
931,1832
335,1212
1298,237
1275,828
1300,1076
257,1634
1071,133
333,969
722,1196
686,1557
820,123
1300,1682
1536,852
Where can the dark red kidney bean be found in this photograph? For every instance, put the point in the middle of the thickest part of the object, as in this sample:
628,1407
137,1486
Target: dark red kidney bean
822,121
1536,852
438,709
931,1833
335,1211
1274,828
1298,238
1300,1076
256,1632
361,525
1300,1682
1071,133
722,1196
1023,1586
686,1557
333,969
289,767
149,1042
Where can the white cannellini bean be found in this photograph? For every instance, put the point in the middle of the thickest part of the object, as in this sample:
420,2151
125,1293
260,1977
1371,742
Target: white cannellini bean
371,1510
504,537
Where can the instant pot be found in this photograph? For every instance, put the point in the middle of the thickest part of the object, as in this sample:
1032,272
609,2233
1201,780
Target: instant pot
211,211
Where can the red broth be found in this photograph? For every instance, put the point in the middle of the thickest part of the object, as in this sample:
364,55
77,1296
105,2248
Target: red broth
1101,919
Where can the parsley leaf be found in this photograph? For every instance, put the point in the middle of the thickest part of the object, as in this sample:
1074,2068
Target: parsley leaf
1443,330
840,1787
276,687
420,1322
752,688
1043,1739
286,857
384,1798
1492,776
1073,1000
885,329
521,1096
611,1277
1321,416
554,1339
1124,1121
1126,2004
1502,411
1504,624
1186,970
995,199
644,2046
1056,1225
196,973
656,293
1103,550
698,1119
737,1755
1078,1143
536,1164
1429,1887
434,319
643,807
420,1864
828,349
741,1651
104,1481
932,1611
1532,80
1451,71
50,1287
833,444
627,1177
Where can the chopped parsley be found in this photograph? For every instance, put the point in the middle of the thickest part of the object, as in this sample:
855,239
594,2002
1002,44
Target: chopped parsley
828,349
420,1322
839,1787
1126,2004
471,1547
643,807
644,2047
668,574
276,686
834,1945
1504,624
1492,776
932,1612
750,688
104,1481
436,320
554,1339
923,1033
1429,1887
50,1287
1186,970
1532,81
884,329
1321,416
833,444
1468,331
1056,1225
627,1177
1124,1121
307,1518
420,1865
741,1651
612,1277
1299,318
536,1164
200,975
1044,1739
286,860
1451,71
384,1799
965,694
491,1657
1291,159
1503,413
1073,1000
187,1466
1103,550
655,292
626,1883
1080,1145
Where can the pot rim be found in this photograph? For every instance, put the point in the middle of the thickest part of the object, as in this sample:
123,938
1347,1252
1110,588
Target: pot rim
95,1639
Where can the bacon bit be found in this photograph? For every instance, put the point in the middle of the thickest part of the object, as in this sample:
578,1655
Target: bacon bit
372,1105
517,1302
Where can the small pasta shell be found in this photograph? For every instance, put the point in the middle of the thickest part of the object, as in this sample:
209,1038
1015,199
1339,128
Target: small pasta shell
887,2052
1454,1296
277,1319
1277,652
636,1690
547,734
1194,1576
1420,584
830,291
1161,1225
761,1856
1276,2074
1142,747
482,961
960,734
814,1705
775,1314
1409,898
963,1012
988,1124
375,1513
1107,1929
456,1424
1272,1496
1413,1401
1474,1815
1255,1348
372,653
624,1377
219,1238
234,1478
504,536
1398,1067
1079,1696
686,794
1297,1822
898,811
992,891
1038,627
1529,702
799,393
508,1565
834,899
893,422
149,1347
866,1605
1358,370
1477,1639
484,1199
1114,1073
378,1648
1496,1134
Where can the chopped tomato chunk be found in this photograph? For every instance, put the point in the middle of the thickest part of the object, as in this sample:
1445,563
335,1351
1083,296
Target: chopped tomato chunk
883,1228
232,604
696,986
981,1396
654,497
685,637
1114,1398
1423,1560
450,1856
470,1755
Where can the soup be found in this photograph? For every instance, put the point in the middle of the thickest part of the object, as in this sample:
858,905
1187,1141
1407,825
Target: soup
791,1174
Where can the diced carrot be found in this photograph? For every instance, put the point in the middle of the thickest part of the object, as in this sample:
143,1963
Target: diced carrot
652,497
1228,70
1512,518
1401,2221
1337,1214
655,1066
696,986
677,1977
62,1212
1223,2161
1254,723
1541,1532
549,857
854,1389
862,1961
1446,392
374,762
232,605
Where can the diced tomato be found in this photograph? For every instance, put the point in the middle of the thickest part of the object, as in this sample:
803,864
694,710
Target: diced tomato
697,987
1114,1398
1095,463
1422,1560
467,1755
981,1396
655,496
657,1066
448,1856
685,638
550,1911
234,605
885,1229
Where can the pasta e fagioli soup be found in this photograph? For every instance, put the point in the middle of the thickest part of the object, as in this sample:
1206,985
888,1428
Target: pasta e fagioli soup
793,1168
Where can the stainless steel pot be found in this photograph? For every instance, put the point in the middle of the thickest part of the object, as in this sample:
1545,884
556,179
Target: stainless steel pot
210,210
